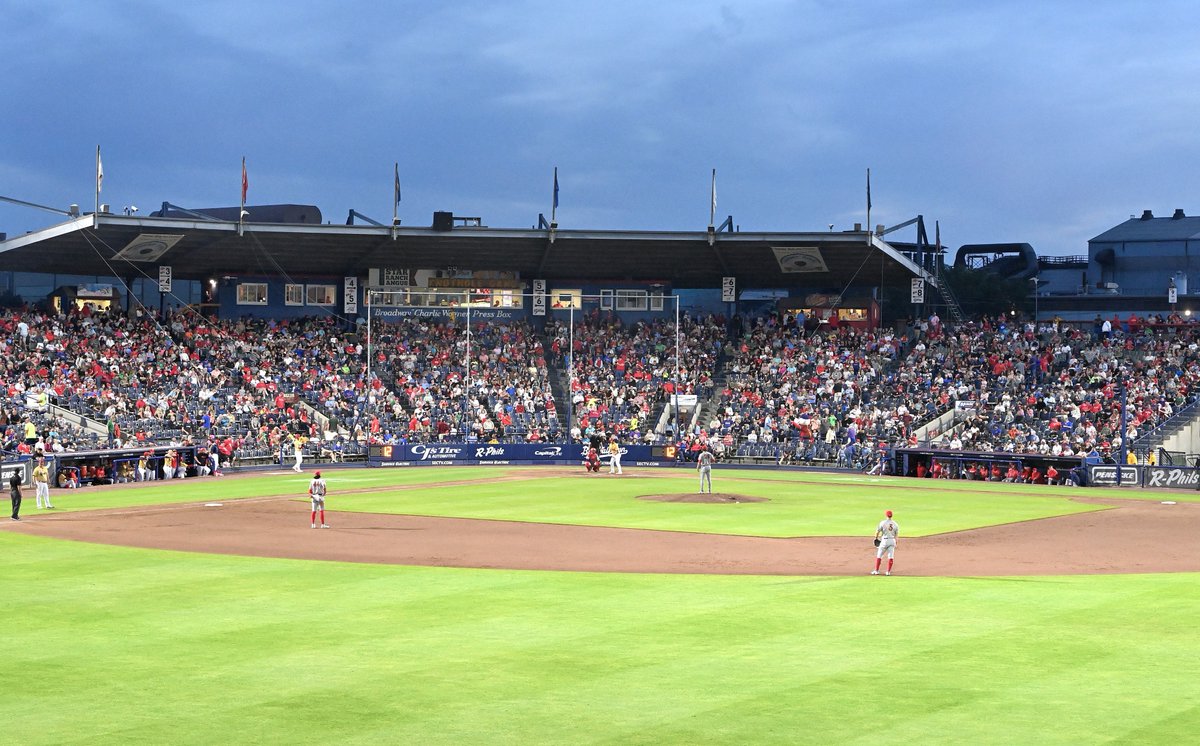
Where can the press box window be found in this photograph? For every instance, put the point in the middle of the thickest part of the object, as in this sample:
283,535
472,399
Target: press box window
632,300
252,294
293,295
321,295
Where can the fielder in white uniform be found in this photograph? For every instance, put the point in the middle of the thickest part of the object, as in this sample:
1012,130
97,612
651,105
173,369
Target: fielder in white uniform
704,465
886,534
316,493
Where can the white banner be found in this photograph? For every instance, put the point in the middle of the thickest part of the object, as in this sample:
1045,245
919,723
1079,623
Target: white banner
539,297
918,290
164,279
350,295
728,289
1172,295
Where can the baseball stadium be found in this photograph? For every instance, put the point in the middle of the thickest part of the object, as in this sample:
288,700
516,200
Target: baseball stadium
290,481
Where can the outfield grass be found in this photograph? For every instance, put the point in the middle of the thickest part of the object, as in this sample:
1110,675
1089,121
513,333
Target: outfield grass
120,645
259,485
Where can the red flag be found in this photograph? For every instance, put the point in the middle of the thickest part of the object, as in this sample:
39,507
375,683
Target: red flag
245,183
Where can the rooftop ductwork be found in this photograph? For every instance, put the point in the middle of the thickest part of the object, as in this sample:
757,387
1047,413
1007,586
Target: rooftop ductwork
1146,214
1178,214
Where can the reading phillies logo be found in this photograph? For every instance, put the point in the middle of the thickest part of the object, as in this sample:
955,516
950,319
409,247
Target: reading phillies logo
1160,477
441,453
487,451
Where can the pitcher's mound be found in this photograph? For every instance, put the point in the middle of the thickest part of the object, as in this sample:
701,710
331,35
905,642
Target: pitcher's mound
704,497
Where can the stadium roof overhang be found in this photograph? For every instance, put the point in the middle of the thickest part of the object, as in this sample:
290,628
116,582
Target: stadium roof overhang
130,246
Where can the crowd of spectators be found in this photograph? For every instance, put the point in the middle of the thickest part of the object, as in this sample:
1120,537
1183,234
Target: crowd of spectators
502,394
846,395
620,376
788,394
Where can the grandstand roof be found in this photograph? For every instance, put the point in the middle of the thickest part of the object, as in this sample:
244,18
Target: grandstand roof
1152,229
125,246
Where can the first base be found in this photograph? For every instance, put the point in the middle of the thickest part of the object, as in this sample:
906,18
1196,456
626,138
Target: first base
213,505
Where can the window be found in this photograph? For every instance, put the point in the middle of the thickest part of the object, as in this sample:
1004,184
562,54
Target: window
565,299
293,295
321,295
252,294
631,300
606,300
656,302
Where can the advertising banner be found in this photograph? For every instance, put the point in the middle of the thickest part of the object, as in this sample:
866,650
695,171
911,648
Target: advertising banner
1105,475
462,454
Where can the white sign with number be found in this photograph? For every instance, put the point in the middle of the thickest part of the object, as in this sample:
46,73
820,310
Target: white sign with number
350,295
918,290
539,297
728,289
164,279
1172,295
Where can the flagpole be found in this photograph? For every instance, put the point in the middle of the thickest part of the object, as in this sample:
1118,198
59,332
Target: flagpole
242,208
99,186
868,205
554,202
712,209
395,199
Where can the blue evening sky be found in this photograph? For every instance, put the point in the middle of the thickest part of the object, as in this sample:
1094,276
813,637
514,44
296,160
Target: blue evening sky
1046,122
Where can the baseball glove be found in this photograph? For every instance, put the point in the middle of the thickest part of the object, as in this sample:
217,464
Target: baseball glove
877,542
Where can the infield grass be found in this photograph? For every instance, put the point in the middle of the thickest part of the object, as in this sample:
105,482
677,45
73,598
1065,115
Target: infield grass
119,645
797,503
820,505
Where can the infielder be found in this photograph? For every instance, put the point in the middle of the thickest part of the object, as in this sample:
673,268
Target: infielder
614,451
885,541
704,465
298,451
316,493
41,481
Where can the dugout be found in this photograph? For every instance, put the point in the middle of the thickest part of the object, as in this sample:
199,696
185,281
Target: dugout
910,461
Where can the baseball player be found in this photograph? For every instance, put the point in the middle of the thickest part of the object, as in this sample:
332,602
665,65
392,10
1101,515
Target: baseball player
41,482
592,463
885,541
614,450
704,465
297,451
316,493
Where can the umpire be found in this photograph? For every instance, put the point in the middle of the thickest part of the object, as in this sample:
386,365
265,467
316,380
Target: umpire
14,493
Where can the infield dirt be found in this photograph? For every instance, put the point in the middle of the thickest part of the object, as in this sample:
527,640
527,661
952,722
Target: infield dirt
1132,536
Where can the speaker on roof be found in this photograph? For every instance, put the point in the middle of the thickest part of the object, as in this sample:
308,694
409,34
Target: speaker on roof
443,221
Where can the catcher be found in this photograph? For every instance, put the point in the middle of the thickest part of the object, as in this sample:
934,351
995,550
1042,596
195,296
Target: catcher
885,541
592,461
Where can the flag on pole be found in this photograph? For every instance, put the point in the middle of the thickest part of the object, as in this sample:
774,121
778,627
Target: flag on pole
99,171
868,190
245,182
556,187
712,212
396,186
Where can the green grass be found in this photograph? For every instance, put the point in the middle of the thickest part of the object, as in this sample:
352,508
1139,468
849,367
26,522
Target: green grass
824,505
217,488
118,645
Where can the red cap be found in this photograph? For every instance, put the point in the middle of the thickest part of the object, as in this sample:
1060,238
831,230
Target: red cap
317,475
888,514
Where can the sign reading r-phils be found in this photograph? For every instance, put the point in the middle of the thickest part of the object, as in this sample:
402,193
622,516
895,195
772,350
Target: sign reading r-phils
1177,477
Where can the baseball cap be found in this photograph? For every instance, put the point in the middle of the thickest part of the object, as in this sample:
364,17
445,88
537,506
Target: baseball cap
316,475
888,514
